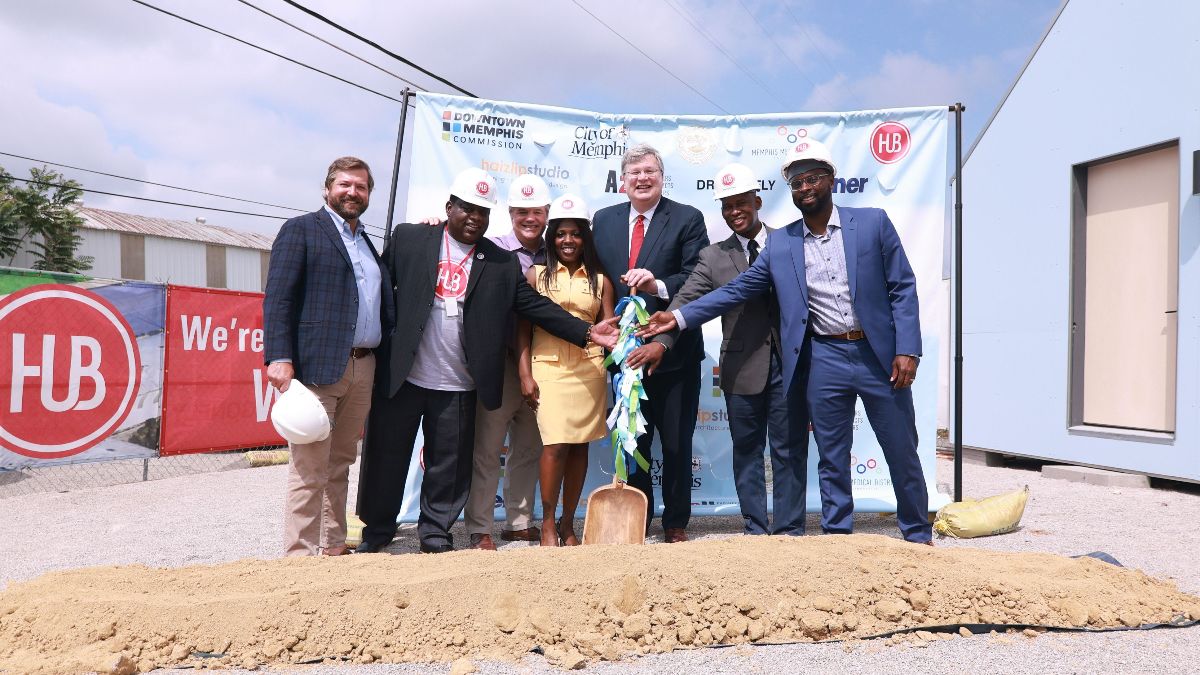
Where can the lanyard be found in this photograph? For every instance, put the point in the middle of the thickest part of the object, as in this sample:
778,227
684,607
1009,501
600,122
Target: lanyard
464,258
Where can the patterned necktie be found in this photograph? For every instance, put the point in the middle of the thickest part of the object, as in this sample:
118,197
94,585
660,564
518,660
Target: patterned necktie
635,240
753,248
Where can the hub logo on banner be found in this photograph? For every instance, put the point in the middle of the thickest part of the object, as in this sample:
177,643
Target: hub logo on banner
71,368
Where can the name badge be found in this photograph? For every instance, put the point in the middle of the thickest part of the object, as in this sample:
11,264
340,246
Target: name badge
451,306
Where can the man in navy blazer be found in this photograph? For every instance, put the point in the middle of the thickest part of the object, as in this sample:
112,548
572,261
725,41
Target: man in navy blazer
652,244
323,314
851,329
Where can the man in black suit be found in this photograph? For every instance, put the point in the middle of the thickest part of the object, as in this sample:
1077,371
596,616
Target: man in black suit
751,366
323,315
652,244
454,290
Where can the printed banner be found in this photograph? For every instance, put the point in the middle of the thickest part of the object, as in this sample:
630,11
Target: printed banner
892,159
216,396
80,369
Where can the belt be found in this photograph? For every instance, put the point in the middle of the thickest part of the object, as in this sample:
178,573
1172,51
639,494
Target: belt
851,336
359,352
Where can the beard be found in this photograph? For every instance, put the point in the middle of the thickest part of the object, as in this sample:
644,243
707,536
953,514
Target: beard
347,208
818,205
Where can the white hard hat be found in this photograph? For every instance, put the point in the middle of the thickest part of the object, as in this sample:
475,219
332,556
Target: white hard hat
808,150
734,179
299,417
528,190
569,206
475,186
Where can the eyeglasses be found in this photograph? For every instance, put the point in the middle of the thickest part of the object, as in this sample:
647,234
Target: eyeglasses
648,173
806,181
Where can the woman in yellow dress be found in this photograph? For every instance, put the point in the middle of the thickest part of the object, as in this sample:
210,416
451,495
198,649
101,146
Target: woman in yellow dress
564,383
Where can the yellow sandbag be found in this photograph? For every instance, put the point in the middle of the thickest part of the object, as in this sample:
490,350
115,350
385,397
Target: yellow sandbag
992,515
267,457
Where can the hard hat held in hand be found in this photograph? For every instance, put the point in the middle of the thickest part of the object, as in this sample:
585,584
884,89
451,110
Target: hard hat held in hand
528,190
734,179
569,206
809,151
299,417
475,186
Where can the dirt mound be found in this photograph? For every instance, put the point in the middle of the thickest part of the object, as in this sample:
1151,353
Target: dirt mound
580,604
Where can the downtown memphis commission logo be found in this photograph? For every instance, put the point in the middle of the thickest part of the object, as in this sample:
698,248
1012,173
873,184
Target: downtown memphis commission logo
474,128
69,371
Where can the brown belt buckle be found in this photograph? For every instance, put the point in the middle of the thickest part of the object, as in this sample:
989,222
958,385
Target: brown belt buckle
359,352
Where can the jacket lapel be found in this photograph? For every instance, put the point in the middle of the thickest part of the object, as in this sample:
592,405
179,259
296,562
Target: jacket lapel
331,231
478,268
662,218
794,238
850,244
432,253
733,246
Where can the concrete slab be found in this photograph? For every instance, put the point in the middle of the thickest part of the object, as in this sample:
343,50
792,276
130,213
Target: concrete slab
1086,474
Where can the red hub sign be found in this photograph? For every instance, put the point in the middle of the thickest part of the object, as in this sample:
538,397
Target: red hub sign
890,142
69,371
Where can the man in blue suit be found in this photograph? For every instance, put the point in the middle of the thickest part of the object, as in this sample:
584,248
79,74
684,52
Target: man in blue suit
324,314
851,329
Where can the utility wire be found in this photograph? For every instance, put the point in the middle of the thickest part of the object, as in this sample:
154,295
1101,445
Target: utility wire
714,43
376,45
819,52
781,50
651,58
145,199
150,182
264,49
340,49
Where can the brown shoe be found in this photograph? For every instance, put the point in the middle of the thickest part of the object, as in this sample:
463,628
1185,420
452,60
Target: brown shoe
483,542
337,550
675,535
527,534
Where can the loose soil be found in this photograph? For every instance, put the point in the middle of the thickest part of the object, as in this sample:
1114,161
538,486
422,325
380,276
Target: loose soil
580,604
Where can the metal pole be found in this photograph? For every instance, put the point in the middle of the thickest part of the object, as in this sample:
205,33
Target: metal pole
958,281
404,96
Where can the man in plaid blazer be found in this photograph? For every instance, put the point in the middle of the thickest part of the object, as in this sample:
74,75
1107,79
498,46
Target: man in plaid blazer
323,315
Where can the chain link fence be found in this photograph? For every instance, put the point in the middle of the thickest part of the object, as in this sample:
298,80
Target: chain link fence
79,476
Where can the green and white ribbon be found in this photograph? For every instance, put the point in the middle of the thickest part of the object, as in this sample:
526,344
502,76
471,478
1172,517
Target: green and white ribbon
626,420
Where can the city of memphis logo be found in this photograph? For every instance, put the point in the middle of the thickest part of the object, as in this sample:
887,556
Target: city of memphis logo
696,145
482,129
602,143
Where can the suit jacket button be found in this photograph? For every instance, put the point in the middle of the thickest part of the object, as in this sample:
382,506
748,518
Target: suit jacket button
796,350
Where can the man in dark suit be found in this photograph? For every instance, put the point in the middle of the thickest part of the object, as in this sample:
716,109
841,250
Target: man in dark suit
323,315
751,367
652,244
848,299
455,290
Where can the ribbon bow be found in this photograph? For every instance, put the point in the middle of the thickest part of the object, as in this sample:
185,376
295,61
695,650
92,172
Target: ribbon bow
626,420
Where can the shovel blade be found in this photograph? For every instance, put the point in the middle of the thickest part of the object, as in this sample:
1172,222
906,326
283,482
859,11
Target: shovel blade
616,514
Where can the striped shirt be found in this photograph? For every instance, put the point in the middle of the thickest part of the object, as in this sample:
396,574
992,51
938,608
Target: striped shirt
830,307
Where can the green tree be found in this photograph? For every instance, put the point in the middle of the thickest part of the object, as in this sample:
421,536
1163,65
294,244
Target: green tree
40,218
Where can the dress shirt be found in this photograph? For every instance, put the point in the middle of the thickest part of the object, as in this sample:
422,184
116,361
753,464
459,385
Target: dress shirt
367,331
648,214
761,238
527,259
830,307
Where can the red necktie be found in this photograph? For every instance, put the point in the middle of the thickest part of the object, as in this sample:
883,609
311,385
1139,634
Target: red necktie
635,240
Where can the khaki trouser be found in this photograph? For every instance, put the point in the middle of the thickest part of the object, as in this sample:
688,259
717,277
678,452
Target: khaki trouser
319,473
521,467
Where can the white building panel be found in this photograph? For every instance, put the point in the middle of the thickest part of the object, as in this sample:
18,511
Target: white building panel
105,249
176,261
243,269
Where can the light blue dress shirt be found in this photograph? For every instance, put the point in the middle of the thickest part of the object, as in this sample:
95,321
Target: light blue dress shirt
367,330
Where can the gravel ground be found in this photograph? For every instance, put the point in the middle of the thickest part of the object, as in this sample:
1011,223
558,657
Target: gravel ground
218,517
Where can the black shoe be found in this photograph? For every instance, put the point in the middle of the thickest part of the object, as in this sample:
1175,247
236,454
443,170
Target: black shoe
440,547
371,546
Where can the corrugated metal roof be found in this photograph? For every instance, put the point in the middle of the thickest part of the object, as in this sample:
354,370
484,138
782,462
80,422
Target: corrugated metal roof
99,219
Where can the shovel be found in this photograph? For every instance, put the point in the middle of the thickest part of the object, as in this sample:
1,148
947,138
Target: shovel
616,514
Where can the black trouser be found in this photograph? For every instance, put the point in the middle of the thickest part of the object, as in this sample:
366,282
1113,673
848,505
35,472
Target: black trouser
673,398
447,420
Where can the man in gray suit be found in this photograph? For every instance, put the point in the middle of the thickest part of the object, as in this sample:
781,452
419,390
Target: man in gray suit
751,367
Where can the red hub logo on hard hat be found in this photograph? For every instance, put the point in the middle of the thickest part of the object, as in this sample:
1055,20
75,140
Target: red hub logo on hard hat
568,204
527,190
727,180
69,371
482,187
890,142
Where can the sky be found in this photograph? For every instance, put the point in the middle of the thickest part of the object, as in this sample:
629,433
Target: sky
114,86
